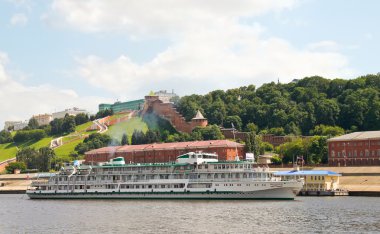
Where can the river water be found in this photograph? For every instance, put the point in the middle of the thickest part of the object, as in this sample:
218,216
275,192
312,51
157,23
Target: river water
18,214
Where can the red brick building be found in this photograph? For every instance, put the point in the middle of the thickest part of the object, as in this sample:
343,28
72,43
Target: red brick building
355,149
165,152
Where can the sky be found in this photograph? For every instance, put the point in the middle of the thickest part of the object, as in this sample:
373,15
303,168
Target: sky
60,54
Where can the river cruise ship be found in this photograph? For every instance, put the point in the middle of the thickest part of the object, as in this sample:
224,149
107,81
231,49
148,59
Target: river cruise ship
192,176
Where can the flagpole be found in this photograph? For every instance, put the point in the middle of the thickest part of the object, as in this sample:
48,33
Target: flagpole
233,132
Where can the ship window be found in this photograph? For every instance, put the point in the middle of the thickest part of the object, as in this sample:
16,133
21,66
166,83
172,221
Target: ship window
216,176
137,186
162,186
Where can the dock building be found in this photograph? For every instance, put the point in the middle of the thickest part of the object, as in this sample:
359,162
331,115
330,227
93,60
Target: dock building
315,181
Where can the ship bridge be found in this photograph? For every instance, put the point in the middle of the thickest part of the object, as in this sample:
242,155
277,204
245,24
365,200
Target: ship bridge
197,158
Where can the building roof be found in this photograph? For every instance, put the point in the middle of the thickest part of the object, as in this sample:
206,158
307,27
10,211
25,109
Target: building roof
167,146
199,115
357,136
301,173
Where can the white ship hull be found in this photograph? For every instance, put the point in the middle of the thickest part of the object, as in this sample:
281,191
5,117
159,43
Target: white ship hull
268,194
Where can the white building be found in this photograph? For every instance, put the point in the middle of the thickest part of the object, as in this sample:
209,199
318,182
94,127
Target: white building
9,124
43,119
164,96
73,112
20,125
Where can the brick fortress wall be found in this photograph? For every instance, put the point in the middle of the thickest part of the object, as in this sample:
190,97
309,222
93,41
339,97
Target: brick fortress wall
169,112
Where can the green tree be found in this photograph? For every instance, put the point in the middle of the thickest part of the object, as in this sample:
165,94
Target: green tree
289,151
316,150
46,157
81,118
68,124
325,130
15,165
277,131
254,144
211,132
5,137
233,120
56,126
138,138
276,160
33,123
94,141
29,156
251,127
124,139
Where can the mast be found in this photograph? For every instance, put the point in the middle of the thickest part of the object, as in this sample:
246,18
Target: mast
233,132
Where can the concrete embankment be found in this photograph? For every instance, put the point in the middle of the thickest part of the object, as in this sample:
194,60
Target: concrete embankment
15,184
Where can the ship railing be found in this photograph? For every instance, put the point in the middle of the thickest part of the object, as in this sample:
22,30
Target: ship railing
39,183
230,180
136,172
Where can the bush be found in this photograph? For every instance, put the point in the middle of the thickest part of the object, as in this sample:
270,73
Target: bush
29,135
15,165
5,137
276,160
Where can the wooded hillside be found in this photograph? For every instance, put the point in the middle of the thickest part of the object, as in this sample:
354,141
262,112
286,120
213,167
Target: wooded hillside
297,107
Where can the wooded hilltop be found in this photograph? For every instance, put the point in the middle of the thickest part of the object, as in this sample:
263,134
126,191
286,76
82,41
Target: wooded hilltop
295,108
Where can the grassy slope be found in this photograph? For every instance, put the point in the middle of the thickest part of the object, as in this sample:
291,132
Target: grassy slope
65,150
72,140
7,151
83,127
116,131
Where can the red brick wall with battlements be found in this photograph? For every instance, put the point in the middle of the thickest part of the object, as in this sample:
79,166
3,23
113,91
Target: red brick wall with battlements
169,112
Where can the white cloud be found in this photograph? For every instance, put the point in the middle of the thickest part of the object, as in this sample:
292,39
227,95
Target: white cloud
213,59
20,102
19,20
145,17
324,46
210,48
